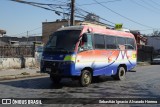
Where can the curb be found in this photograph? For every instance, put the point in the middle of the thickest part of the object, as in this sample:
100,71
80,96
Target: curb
11,77
143,64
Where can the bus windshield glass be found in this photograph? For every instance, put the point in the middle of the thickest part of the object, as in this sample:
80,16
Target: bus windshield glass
63,41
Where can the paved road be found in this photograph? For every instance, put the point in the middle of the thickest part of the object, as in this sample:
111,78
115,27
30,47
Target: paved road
145,83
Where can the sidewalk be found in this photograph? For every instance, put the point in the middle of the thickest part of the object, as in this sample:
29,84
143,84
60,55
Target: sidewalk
7,74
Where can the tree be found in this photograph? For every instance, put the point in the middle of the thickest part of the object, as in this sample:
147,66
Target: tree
155,33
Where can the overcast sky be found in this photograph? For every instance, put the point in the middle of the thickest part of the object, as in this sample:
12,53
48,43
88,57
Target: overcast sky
143,15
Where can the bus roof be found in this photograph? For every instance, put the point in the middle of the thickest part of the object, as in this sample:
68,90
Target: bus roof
71,28
99,30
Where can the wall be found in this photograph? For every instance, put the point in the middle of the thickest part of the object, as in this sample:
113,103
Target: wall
153,41
15,63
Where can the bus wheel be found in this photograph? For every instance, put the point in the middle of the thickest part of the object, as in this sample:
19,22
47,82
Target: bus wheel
85,78
121,73
55,79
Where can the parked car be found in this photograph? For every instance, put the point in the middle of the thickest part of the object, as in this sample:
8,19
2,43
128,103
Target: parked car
156,60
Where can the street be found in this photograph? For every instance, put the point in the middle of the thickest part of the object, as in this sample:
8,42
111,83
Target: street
145,83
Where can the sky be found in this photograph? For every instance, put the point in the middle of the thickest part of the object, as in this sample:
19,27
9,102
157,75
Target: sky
143,15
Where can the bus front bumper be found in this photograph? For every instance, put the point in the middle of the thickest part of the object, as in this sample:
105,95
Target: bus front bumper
61,68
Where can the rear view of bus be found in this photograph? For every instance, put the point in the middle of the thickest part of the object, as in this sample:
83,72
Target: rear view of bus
84,52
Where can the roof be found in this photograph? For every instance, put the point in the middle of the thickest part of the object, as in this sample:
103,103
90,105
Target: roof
102,30
3,43
98,29
71,28
60,21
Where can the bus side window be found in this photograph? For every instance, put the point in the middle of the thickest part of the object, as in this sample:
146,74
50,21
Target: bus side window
99,41
110,42
121,41
131,44
86,43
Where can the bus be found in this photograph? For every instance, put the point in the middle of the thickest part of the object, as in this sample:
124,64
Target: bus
83,52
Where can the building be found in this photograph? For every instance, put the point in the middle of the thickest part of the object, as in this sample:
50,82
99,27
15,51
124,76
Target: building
3,43
145,51
154,41
140,39
18,41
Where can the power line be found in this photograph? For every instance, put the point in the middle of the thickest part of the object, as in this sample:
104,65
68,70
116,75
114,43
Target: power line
36,3
150,5
142,6
58,1
29,3
148,8
100,2
99,17
79,16
155,2
122,15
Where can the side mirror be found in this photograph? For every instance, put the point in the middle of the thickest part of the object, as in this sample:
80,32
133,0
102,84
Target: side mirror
84,37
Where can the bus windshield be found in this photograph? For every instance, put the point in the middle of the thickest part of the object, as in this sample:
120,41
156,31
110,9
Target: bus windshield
63,41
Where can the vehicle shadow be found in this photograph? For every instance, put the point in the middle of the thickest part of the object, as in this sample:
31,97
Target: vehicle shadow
46,83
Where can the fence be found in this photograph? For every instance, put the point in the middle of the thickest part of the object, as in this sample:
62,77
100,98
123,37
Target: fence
16,51
145,53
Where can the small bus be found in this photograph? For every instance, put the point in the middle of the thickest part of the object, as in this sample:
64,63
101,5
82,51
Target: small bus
83,52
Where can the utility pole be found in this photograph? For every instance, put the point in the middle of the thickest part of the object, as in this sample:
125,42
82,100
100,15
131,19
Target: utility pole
27,37
72,12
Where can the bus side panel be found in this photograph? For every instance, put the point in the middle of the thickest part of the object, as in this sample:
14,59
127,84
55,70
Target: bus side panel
132,59
101,61
128,58
105,62
84,59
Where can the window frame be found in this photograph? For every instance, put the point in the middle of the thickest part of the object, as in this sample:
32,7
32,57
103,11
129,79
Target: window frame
94,45
134,47
115,41
91,39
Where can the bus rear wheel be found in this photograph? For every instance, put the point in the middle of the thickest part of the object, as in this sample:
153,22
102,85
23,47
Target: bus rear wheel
55,79
85,78
121,73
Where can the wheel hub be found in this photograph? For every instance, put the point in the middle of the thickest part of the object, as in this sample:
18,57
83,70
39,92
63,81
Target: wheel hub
86,79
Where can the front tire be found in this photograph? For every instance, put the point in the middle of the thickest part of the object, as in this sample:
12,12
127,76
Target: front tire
85,78
121,73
